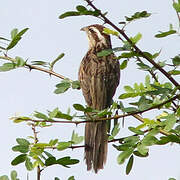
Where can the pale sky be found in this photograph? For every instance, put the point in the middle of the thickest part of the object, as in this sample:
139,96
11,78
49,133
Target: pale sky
23,92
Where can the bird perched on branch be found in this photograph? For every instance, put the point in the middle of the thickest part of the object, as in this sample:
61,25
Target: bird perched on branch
99,78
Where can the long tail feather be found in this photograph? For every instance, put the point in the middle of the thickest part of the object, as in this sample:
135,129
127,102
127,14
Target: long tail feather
96,145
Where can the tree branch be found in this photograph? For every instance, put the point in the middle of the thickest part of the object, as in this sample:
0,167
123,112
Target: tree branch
50,72
110,141
35,142
106,20
140,112
110,118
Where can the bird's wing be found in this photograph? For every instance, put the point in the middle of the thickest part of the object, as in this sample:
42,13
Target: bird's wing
99,78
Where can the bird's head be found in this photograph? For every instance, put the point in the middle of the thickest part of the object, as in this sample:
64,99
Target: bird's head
96,37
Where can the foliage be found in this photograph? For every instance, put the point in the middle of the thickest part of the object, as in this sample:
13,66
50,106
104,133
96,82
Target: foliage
13,176
142,97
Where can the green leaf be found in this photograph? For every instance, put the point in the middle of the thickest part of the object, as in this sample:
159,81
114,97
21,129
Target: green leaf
139,154
19,119
4,177
174,72
81,11
81,8
22,32
174,138
67,161
63,145
79,107
42,63
56,178
124,155
104,113
142,149
14,32
147,81
53,142
50,161
71,178
56,60
156,55
136,38
129,89
76,139
129,95
16,39
131,140
105,52
95,13
40,115
23,142
41,145
144,103
53,113
178,112
163,140
123,147
176,60
143,66
19,148
130,109
110,32
136,131
149,140
170,122
128,55
171,179
164,34
69,14
28,164
138,15
62,87
2,48
176,6
130,164
61,115
19,159
19,61
2,38
7,67
48,154
76,85
123,64
115,130
14,175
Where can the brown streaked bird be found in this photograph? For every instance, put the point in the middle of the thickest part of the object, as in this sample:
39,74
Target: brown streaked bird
99,78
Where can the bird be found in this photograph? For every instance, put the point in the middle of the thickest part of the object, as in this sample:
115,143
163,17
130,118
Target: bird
99,78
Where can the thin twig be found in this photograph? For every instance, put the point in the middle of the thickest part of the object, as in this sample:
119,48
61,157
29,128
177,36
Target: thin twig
110,118
113,140
50,72
35,142
106,20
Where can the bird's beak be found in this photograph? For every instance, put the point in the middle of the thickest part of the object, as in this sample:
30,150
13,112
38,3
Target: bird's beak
83,29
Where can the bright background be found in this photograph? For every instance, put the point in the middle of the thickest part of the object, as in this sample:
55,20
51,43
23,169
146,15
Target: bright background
23,91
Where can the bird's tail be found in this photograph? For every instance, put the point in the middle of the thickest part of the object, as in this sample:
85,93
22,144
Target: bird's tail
96,145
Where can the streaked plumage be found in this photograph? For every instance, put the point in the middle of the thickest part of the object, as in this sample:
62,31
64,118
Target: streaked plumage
99,78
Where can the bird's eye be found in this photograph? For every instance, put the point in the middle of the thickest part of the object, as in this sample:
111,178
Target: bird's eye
92,31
